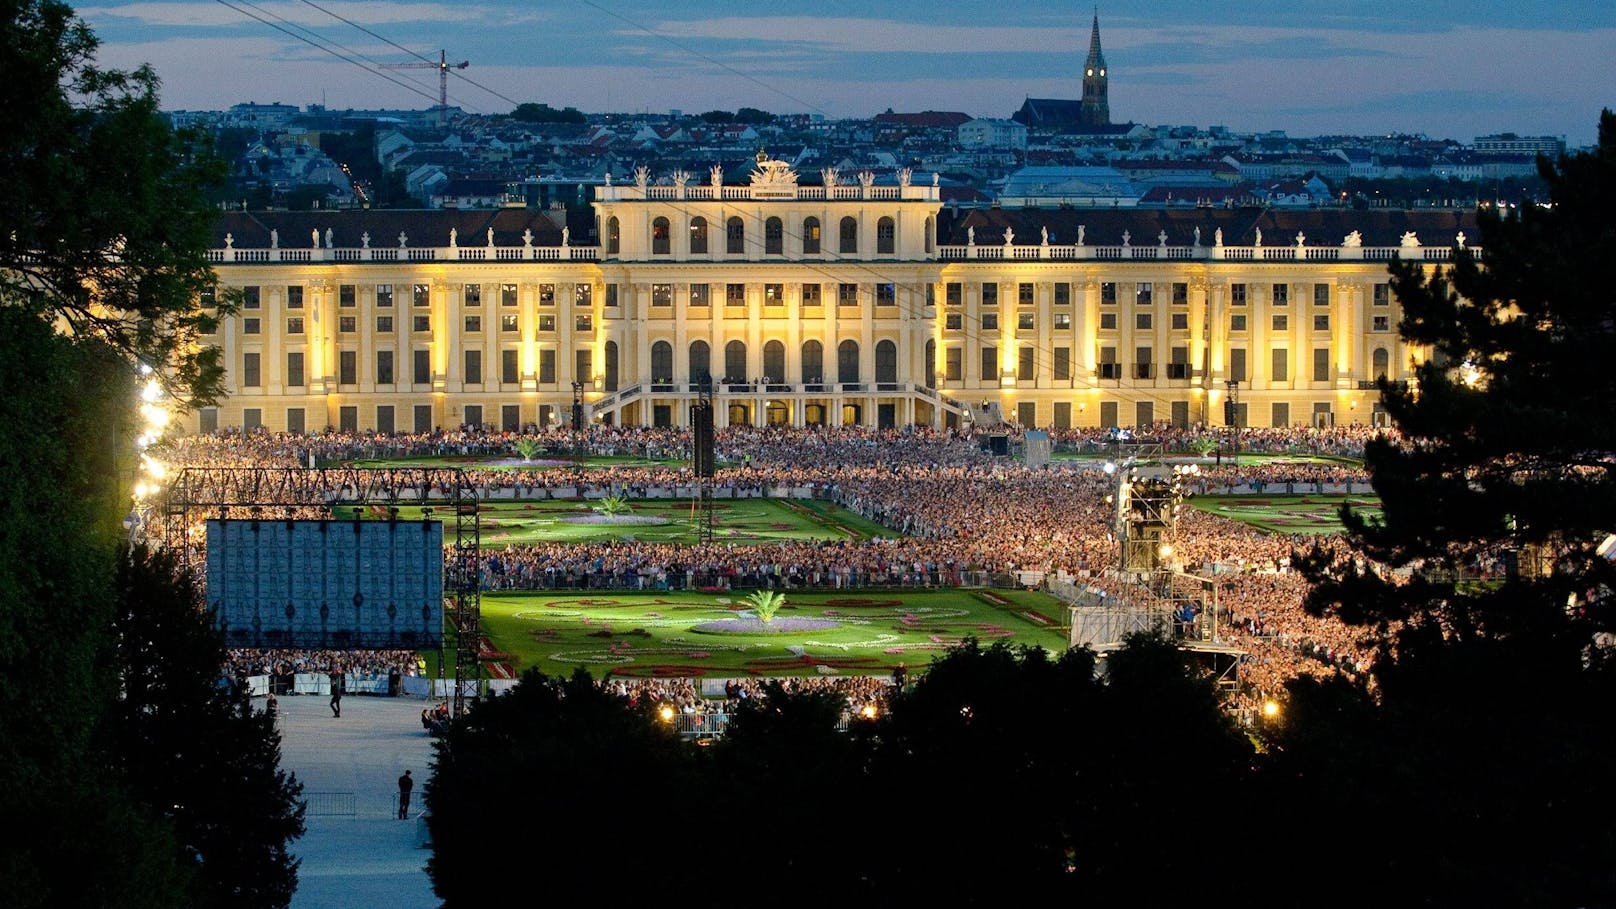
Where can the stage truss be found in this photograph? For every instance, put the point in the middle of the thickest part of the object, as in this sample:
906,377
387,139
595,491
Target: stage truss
272,493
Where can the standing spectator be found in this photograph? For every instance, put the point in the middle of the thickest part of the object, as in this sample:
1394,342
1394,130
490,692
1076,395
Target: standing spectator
405,785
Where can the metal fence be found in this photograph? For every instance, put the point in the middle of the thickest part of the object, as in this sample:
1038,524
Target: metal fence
331,804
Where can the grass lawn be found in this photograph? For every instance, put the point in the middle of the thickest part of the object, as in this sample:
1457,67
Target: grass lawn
734,521
653,634
1287,514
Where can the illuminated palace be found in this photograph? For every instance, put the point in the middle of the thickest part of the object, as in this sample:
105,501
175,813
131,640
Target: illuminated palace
844,302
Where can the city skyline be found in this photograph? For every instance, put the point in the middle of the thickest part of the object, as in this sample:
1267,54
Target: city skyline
1444,69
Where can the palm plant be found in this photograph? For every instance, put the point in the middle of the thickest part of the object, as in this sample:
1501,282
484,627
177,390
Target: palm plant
527,448
613,505
765,603
1204,446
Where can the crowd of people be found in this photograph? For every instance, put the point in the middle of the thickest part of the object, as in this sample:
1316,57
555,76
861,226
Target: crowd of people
957,515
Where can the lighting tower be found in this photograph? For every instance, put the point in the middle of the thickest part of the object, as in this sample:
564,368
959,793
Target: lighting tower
442,66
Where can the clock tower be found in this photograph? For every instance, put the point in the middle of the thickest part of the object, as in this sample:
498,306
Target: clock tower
1096,106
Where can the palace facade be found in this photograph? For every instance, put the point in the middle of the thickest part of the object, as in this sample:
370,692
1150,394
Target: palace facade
842,302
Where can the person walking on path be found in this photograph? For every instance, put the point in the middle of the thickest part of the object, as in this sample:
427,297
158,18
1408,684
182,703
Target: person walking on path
336,693
405,785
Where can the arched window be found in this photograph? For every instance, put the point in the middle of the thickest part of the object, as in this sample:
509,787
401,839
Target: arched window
701,362
698,235
774,237
886,236
659,237
931,363
849,235
810,236
931,226
734,236
611,365
813,362
774,361
1382,363
886,361
612,237
847,361
735,361
661,363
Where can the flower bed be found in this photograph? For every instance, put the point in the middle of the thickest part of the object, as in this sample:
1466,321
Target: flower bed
753,625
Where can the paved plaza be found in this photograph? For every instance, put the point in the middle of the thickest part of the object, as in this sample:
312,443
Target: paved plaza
356,853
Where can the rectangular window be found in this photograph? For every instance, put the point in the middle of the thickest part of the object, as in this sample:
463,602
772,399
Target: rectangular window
474,415
1181,293
251,326
422,366
734,294
698,295
774,295
348,367
209,419
294,325
1063,363
294,369
294,420
1108,321
1321,295
250,298
384,419
509,324
886,295
1143,366
1063,293
1321,364
1026,321
384,295
1383,294
294,297
1321,323
252,418
474,324
1282,415
421,295
1108,366
990,363
847,295
1144,293
952,293
1280,368
508,367
1108,293
1179,366
990,295
421,323
584,295
1381,323
507,295
547,367
611,296
990,321
931,294
347,325
384,324
1282,323
474,367
547,323
347,296
583,322
423,418
953,321
952,370
583,365
1063,415
1026,364
1181,321
547,295
472,295
1142,321
1237,364
1282,294
1063,320
1024,294
662,295
384,367
1237,295
1237,322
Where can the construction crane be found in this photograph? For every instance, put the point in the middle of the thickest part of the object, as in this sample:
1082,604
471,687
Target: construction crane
442,66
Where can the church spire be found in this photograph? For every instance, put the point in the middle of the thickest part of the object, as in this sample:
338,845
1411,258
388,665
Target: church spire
1096,110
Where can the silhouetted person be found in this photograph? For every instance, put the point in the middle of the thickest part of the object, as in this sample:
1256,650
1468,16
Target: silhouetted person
405,785
336,693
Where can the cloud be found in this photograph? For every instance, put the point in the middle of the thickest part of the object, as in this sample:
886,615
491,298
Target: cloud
215,15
